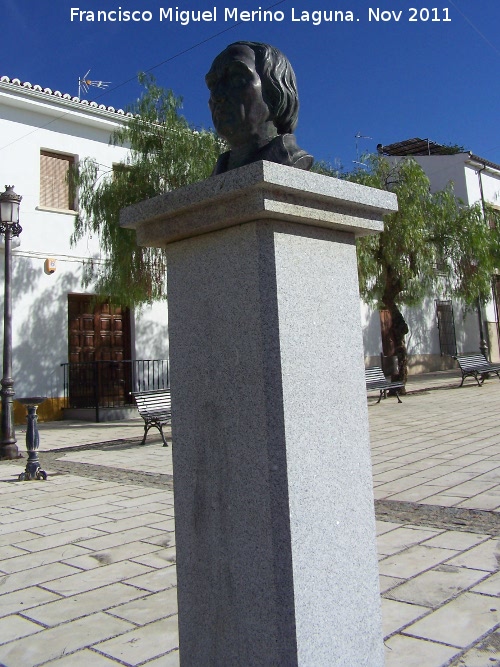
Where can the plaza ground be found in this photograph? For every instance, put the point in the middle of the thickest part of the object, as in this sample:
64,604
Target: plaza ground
87,558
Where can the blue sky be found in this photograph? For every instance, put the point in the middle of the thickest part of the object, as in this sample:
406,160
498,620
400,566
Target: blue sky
387,80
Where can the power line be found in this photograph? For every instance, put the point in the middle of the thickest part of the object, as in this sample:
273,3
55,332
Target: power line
150,69
188,49
474,27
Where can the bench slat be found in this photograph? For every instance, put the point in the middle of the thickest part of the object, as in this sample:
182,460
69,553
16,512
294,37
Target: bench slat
476,366
376,381
155,407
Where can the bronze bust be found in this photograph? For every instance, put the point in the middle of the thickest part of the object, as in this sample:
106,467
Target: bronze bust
254,105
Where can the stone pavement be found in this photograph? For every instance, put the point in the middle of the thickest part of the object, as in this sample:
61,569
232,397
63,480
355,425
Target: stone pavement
87,558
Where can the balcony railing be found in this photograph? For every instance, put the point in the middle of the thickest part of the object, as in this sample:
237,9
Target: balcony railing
109,384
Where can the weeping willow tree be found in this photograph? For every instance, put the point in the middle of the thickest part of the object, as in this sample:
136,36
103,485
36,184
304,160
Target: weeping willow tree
165,153
433,242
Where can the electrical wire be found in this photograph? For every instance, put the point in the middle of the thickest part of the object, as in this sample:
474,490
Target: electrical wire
150,69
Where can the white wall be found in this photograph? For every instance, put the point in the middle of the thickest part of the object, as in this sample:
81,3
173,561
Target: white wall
151,331
29,123
443,169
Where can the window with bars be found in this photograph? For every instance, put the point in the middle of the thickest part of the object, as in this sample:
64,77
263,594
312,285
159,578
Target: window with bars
56,190
446,327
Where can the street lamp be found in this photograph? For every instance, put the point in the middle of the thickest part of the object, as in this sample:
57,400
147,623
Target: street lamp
9,227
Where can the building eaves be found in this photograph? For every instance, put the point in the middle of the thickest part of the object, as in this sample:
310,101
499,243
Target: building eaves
56,96
481,161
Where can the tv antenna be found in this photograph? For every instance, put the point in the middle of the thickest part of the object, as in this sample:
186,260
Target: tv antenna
358,136
84,83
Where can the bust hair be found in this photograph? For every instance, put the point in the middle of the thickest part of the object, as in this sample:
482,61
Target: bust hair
279,87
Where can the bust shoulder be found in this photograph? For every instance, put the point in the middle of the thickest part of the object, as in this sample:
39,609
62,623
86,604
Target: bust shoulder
283,149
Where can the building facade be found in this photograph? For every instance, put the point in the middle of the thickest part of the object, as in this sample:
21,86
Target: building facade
66,342
442,326
55,320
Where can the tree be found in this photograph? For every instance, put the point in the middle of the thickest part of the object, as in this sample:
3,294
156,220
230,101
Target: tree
432,241
165,153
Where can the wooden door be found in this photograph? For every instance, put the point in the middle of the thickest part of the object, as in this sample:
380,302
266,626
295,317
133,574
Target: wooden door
99,340
388,344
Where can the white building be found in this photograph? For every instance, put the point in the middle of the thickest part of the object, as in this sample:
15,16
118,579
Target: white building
442,327
55,321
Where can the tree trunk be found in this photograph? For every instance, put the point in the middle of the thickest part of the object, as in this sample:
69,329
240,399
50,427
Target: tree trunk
399,329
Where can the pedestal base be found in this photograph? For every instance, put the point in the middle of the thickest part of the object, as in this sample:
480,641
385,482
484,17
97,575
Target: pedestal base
275,527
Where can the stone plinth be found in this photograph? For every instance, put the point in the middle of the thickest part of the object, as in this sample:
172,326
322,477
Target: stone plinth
275,526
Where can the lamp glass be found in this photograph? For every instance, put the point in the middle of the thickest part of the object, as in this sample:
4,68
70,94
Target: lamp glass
9,206
6,212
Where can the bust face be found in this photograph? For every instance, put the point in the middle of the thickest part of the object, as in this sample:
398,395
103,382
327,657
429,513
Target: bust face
239,112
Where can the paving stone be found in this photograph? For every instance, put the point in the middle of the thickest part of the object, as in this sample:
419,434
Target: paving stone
111,540
386,526
119,513
446,448
436,586
157,580
485,556
24,599
483,501
144,643
34,576
74,524
486,652
158,559
98,500
9,551
388,582
60,640
401,651
489,586
145,519
92,559
416,494
170,660
70,537
148,609
402,538
8,530
395,615
91,579
162,539
14,627
455,540
68,609
414,560
459,622
28,560
85,658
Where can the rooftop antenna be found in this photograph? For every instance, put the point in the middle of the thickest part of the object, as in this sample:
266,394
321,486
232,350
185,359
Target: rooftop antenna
84,83
357,136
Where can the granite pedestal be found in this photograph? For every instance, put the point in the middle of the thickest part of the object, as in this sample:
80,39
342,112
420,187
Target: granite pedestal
275,526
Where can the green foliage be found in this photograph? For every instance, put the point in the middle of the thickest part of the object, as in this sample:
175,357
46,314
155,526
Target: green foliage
451,149
165,153
432,242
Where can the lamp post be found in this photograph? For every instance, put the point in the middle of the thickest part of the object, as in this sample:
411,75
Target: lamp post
9,227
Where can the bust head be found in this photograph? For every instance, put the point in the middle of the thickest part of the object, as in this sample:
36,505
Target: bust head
254,105
252,85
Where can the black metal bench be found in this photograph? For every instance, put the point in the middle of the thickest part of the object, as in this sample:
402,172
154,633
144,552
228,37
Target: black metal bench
476,366
376,381
155,407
